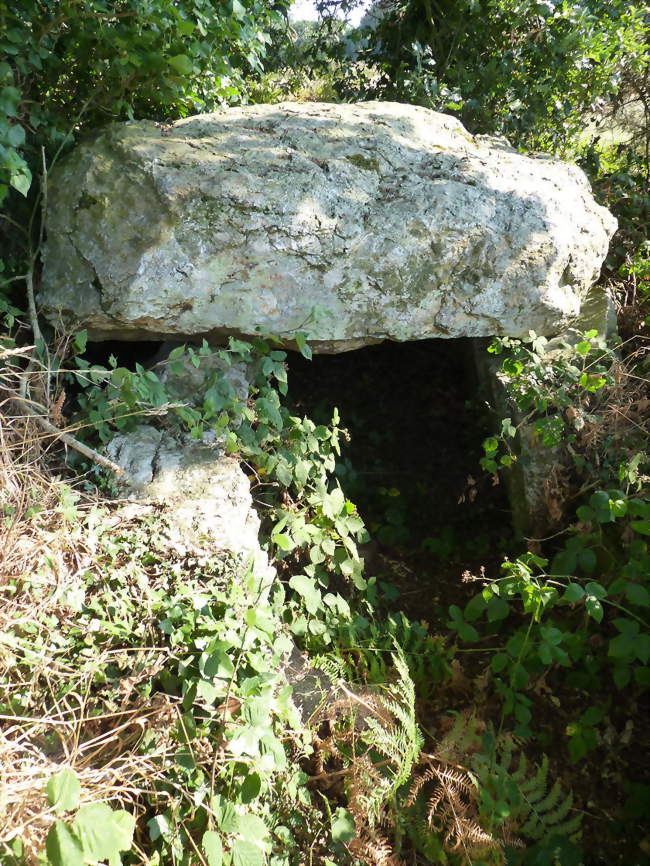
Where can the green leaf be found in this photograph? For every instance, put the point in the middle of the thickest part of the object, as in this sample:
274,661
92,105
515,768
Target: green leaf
158,827
497,609
250,789
499,662
641,526
642,676
225,814
253,828
637,594
622,647
587,559
63,847
307,588
238,10
596,590
467,632
209,692
63,791
594,608
301,472
578,748
343,829
591,716
181,63
217,664
80,341
21,180
544,653
16,135
186,27
334,502
574,592
519,676
212,847
622,676
490,445
124,824
585,513
245,853
100,834
303,348
475,607
283,541
9,100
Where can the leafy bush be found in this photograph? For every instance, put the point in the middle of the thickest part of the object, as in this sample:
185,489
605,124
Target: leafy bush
582,613
527,70
179,657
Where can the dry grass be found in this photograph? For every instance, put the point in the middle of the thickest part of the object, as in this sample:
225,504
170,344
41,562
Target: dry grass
52,714
623,416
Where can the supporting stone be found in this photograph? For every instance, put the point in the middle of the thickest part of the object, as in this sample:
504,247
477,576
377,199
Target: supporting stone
531,479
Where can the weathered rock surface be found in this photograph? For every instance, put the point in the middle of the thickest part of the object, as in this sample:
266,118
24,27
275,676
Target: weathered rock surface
354,223
207,492
208,497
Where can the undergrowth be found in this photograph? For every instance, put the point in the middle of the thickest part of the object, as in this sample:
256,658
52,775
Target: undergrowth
147,713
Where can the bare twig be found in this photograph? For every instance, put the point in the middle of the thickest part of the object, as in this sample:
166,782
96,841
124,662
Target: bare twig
67,439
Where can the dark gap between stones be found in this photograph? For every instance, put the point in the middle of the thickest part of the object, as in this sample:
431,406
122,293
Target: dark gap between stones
416,421
127,354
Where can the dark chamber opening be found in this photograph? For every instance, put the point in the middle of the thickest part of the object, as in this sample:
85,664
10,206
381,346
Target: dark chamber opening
127,354
416,422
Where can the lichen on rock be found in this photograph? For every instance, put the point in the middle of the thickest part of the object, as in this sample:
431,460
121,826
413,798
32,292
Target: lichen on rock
352,223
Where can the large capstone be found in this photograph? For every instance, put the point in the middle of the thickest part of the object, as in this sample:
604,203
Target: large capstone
350,223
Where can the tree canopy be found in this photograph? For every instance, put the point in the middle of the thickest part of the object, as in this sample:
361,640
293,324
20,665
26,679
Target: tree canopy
71,64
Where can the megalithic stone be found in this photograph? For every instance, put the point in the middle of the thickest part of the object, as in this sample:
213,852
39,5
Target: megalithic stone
349,223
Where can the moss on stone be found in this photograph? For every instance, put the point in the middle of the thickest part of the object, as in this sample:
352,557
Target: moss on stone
367,163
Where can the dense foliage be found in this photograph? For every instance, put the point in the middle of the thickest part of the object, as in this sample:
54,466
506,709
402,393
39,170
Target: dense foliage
147,715
77,64
531,71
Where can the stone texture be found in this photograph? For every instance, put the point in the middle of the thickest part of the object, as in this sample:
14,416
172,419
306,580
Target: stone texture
530,481
207,492
353,223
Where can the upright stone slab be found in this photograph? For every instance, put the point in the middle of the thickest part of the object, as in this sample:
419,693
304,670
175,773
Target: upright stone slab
353,223
207,492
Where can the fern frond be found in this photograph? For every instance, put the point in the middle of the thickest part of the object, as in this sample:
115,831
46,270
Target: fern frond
399,741
534,788
545,814
335,667
509,838
456,777
551,800
374,849
462,739
467,833
519,775
419,781
557,815
569,828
